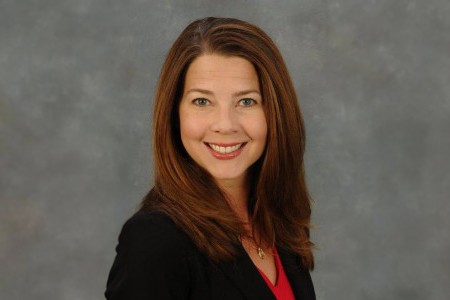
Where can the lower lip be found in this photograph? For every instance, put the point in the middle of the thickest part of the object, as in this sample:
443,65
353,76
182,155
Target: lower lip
225,156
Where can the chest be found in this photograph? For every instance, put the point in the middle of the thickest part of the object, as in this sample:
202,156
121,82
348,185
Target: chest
224,282
241,280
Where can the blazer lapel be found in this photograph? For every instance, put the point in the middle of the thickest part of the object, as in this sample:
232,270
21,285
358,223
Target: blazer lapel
299,278
243,273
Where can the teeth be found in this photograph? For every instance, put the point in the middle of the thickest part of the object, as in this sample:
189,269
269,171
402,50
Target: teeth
224,150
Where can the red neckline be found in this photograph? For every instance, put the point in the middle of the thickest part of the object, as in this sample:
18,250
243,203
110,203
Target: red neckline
277,269
282,288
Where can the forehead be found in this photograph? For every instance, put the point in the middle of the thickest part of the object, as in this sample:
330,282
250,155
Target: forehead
214,68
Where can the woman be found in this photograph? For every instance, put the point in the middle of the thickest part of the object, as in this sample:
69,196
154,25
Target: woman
229,214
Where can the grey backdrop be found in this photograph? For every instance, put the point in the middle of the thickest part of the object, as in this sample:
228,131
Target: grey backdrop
76,86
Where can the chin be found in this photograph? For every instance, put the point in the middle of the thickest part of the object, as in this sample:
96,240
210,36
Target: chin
227,176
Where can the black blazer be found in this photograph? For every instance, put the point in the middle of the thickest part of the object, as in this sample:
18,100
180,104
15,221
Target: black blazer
156,260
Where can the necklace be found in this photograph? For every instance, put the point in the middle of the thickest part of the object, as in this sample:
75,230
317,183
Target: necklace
261,253
259,249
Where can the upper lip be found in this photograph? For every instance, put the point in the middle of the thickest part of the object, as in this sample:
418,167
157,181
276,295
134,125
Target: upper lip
225,144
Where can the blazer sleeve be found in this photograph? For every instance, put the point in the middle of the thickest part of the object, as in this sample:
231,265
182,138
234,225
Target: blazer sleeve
151,262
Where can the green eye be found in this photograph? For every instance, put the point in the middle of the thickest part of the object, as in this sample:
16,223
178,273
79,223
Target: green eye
247,102
201,101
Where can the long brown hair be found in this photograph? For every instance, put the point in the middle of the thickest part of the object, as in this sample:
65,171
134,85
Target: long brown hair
279,204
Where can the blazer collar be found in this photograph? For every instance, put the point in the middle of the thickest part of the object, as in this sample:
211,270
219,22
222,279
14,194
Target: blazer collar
246,277
244,274
299,278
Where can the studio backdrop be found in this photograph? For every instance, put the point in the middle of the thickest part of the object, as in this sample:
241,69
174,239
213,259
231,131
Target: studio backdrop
77,81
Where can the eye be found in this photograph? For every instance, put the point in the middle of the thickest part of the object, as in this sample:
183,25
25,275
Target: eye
200,101
247,102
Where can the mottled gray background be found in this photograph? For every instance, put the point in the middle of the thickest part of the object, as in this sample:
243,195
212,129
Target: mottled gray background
76,85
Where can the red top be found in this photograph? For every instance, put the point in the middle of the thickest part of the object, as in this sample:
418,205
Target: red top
282,288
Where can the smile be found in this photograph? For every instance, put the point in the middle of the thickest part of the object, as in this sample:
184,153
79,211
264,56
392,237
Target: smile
225,149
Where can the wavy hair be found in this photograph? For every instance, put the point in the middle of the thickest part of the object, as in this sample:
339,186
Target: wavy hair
279,204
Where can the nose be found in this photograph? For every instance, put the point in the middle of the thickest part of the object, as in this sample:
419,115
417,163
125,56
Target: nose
224,121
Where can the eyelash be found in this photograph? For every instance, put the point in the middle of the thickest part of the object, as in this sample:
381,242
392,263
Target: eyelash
196,101
246,99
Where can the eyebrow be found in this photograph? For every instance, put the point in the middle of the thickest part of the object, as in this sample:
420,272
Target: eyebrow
237,94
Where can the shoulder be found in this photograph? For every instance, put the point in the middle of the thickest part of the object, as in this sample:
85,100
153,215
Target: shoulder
154,232
145,217
151,259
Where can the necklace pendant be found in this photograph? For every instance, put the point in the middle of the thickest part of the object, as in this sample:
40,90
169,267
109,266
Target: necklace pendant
261,253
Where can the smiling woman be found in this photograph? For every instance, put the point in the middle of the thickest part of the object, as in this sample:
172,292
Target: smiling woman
229,214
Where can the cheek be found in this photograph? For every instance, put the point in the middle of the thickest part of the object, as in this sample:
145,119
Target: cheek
190,128
258,129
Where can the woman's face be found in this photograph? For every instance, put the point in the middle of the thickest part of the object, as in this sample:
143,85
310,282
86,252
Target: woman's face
222,122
